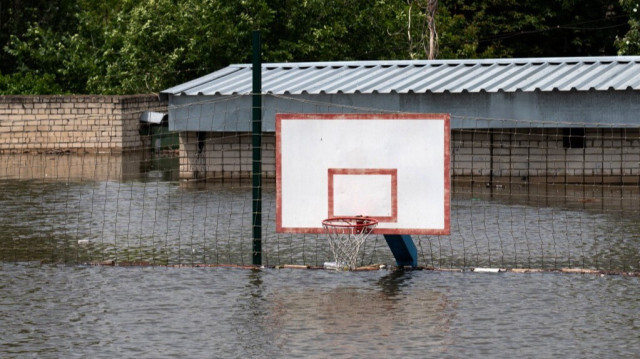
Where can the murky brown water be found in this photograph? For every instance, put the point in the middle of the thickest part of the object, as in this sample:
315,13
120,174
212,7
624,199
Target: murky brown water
134,209
104,312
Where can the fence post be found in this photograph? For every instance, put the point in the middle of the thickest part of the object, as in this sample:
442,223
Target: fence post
256,169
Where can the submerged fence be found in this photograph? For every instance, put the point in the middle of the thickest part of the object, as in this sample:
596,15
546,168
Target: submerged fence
524,195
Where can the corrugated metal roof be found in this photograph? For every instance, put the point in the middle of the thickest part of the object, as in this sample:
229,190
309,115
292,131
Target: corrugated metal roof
436,76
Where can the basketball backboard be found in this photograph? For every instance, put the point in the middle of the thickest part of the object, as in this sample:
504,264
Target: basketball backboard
392,167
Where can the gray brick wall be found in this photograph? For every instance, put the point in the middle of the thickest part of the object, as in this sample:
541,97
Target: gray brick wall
496,156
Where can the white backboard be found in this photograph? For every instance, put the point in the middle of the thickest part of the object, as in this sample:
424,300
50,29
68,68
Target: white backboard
392,167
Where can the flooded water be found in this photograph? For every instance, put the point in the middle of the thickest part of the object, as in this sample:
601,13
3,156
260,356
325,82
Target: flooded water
155,312
80,209
59,212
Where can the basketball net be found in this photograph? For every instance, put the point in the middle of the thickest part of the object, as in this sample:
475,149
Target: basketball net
346,236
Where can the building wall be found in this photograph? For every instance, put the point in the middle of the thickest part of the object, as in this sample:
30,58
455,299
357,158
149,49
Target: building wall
547,155
223,155
95,124
598,109
477,155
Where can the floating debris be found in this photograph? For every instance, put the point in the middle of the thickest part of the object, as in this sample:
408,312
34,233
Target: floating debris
488,270
295,266
372,267
580,271
527,270
335,266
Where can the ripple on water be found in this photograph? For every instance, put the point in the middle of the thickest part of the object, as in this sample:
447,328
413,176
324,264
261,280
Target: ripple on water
62,311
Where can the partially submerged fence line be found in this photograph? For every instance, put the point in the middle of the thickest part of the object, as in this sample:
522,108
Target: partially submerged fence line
513,202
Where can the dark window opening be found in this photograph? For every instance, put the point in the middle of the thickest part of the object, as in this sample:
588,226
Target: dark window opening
573,138
202,136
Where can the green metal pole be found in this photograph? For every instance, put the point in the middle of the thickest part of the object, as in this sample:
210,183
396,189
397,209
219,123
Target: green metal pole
256,171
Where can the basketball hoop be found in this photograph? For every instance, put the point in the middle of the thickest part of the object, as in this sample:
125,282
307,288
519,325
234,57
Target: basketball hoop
346,236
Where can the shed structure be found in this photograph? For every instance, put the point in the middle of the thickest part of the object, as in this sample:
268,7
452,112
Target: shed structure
553,120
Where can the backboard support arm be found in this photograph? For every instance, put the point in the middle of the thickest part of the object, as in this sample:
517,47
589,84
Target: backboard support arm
403,249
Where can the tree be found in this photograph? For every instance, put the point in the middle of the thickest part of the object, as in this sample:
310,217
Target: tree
534,28
323,30
127,46
426,12
17,16
132,46
629,44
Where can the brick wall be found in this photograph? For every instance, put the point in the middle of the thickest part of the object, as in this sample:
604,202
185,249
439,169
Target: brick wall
483,156
546,156
223,155
94,124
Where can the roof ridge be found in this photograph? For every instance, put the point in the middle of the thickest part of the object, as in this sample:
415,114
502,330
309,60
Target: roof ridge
427,76
523,60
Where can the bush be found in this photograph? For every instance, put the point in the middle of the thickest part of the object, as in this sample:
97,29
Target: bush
28,83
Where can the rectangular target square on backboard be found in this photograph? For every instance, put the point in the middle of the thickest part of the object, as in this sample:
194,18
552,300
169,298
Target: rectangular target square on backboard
370,192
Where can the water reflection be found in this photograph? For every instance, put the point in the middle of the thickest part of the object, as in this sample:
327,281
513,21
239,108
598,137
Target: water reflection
72,311
335,320
597,198
132,208
392,283
71,167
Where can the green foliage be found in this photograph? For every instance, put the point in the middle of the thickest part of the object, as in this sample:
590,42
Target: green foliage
322,30
629,44
58,56
17,16
537,28
156,44
28,83
134,46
